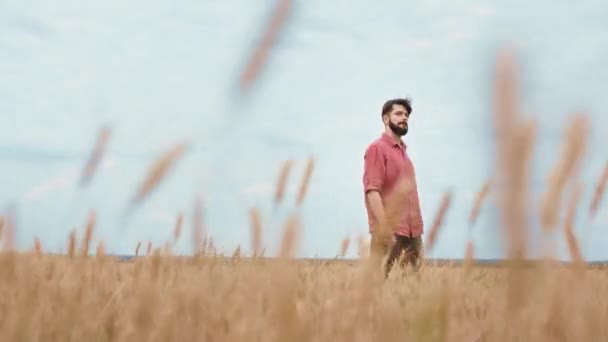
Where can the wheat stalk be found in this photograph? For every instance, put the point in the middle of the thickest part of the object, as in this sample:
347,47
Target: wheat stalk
305,181
157,171
177,229
566,167
573,245
198,229
469,254
599,192
481,195
95,157
260,53
72,244
101,250
514,147
281,184
290,237
362,248
8,229
88,234
37,247
344,247
236,255
149,248
438,221
137,248
256,230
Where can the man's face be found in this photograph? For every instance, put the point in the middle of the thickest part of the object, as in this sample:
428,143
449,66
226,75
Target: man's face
397,120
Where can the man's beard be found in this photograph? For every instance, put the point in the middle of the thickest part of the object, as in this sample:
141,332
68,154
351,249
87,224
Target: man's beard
398,130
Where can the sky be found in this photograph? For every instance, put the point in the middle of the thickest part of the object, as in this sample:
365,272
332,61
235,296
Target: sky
163,72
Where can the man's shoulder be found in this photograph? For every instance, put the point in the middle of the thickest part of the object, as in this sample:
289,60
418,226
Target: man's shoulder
375,145
378,142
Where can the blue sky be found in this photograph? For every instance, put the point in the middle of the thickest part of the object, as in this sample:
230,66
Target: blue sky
162,72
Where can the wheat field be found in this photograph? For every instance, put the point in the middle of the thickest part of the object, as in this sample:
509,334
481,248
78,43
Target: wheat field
221,299
208,297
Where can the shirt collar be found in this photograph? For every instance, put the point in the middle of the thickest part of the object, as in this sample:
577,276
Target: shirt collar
389,140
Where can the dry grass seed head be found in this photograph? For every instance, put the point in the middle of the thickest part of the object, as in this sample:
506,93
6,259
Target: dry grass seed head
236,255
101,250
290,237
8,229
344,247
96,156
256,230
177,229
572,242
137,248
259,55
479,199
37,247
515,142
363,247
566,167
157,171
469,254
198,229
281,184
72,244
88,233
310,165
599,192
438,221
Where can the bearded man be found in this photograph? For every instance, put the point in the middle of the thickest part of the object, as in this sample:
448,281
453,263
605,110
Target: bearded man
386,164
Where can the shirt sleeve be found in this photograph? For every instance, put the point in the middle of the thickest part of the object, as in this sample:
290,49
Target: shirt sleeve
374,169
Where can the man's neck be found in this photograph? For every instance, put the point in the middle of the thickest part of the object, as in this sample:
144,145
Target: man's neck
393,136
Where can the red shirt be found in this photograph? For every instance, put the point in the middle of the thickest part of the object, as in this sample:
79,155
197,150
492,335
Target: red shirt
386,160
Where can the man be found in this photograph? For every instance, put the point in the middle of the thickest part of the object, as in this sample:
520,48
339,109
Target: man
386,165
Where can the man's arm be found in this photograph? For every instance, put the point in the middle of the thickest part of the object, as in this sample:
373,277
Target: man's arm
376,206
373,179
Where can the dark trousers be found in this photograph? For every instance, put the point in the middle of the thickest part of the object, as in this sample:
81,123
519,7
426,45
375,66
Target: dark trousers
405,250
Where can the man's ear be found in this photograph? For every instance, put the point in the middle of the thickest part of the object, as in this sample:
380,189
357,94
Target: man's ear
385,119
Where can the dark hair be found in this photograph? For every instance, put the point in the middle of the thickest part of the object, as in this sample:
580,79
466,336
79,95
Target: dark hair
405,102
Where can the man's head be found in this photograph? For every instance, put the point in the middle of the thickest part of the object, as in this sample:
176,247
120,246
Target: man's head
395,114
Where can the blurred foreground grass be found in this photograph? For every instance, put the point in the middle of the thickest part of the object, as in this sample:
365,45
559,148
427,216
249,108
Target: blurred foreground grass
163,298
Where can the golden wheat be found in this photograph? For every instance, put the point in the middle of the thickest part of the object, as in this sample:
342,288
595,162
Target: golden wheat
566,167
88,234
177,229
157,171
96,156
344,247
198,228
304,184
481,196
599,192
255,221
281,185
438,221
